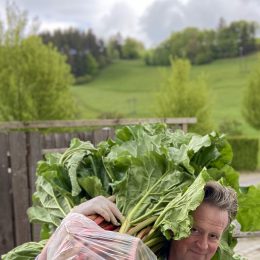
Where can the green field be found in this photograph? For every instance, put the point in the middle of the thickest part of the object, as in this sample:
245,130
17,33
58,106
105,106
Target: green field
129,88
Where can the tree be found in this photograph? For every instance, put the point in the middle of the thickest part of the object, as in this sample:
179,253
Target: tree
190,43
35,79
92,65
132,49
251,100
76,45
222,23
182,97
245,35
114,47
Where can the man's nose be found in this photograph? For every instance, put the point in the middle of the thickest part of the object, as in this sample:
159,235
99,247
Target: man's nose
202,242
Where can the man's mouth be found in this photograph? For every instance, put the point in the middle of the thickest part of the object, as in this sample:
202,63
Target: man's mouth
197,252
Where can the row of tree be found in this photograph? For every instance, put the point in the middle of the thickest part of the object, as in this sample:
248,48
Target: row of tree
86,53
203,46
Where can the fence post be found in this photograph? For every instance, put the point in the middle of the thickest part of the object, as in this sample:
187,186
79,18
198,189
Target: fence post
6,210
18,153
34,155
102,134
184,127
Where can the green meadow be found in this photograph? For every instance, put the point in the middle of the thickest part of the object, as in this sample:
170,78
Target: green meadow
129,89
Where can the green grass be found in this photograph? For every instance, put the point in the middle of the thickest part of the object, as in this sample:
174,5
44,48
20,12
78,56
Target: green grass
129,88
125,87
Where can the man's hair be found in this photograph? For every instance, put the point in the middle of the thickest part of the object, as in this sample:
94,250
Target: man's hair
222,197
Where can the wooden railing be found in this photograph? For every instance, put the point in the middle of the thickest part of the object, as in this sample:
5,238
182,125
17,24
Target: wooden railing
182,122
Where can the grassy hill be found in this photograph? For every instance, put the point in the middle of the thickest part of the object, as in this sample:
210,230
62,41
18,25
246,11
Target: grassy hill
129,88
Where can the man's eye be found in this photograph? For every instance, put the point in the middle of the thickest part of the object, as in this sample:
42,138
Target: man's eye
194,231
214,237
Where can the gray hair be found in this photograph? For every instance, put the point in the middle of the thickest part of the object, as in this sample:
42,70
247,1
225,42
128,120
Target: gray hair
222,197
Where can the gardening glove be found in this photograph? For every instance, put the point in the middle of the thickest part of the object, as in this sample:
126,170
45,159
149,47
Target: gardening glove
102,206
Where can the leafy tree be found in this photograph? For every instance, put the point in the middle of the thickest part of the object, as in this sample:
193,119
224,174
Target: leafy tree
92,65
251,101
132,49
148,57
182,97
238,37
227,43
245,35
34,78
190,43
115,47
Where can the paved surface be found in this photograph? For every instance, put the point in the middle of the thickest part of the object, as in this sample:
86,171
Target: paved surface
249,247
247,178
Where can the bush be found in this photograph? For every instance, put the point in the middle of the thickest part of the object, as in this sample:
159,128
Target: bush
245,152
203,58
230,127
148,58
251,99
83,79
110,115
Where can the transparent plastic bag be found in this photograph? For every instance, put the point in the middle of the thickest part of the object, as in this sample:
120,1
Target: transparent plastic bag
80,238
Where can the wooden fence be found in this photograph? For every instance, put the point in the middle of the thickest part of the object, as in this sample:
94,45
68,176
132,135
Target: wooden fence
19,153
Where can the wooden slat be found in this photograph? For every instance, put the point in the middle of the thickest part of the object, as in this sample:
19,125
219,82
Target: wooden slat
87,136
20,187
101,135
112,133
48,141
95,122
34,155
67,137
60,140
6,212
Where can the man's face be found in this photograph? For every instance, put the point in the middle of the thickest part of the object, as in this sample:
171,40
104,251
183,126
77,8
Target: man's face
209,224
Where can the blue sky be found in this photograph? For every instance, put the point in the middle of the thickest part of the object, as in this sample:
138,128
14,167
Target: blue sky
148,20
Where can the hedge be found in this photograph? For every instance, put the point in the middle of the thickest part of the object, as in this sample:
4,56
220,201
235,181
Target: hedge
245,153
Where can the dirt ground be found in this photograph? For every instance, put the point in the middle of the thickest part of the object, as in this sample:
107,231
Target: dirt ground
249,247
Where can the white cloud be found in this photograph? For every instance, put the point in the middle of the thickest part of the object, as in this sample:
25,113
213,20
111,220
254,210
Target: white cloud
121,17
52,25
166,16
148,20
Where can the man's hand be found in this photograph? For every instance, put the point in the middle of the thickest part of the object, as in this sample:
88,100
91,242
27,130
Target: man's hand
102,206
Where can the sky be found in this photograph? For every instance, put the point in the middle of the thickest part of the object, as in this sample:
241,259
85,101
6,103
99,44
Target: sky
150,21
